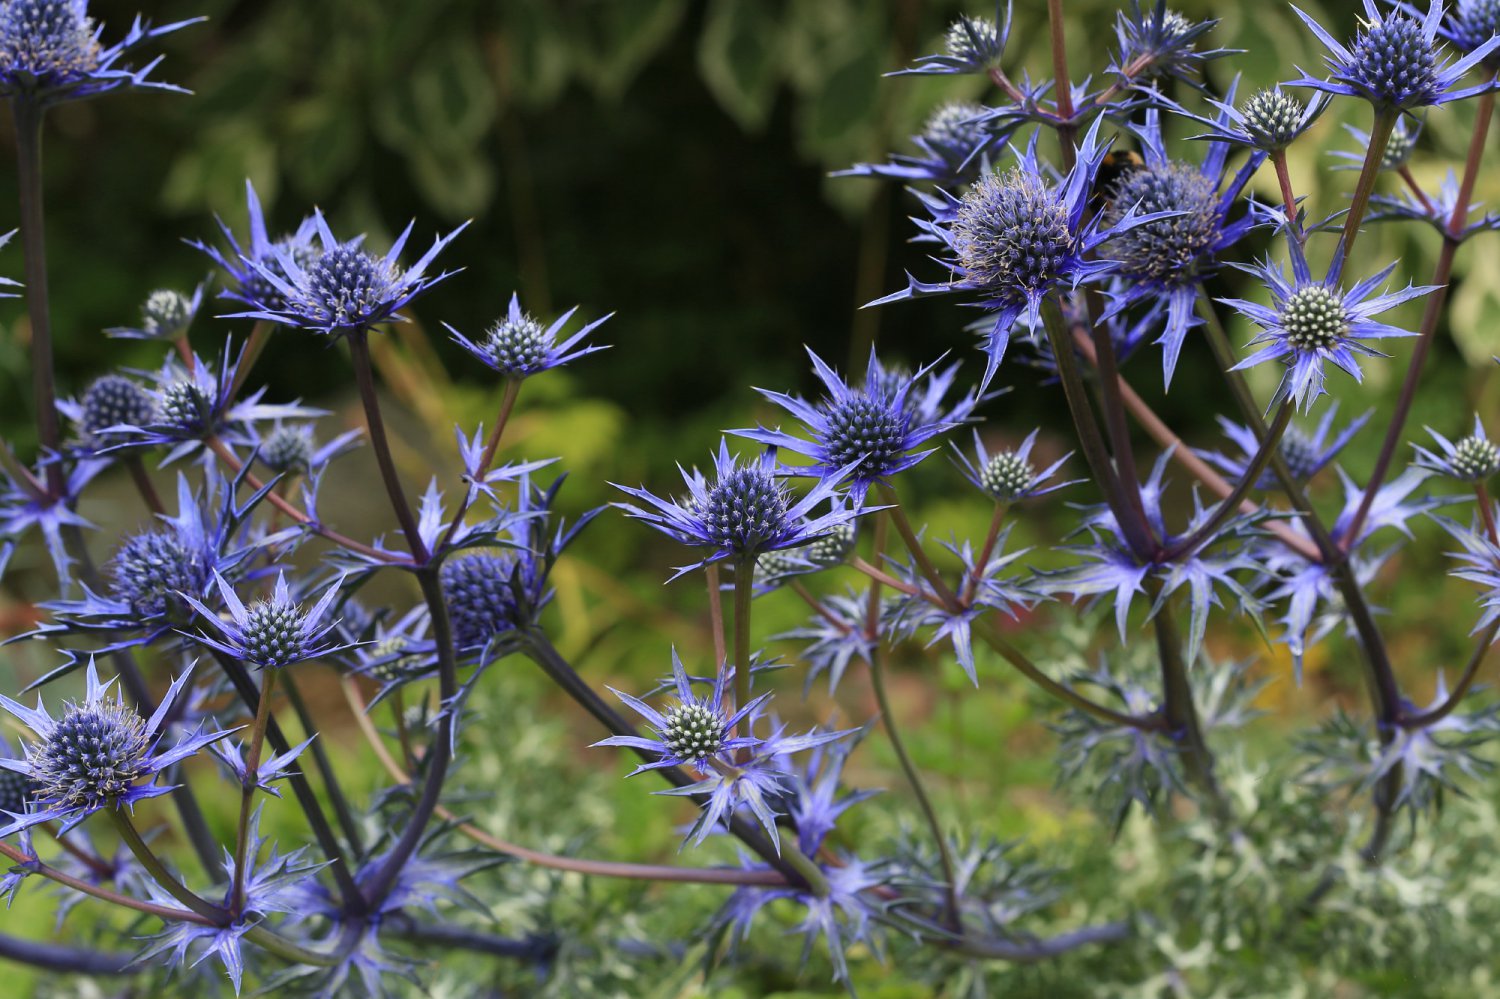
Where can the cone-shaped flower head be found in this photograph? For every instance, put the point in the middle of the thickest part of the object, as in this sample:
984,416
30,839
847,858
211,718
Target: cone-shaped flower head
99,753
273,632
50,51
345,287
481,602
867,432
152,570
1474,458
113,401
744,512
1318,321
1395,62
519,345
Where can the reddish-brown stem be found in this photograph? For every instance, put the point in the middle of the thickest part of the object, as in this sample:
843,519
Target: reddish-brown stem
997,520
1486,511
1288,196
799,588
1433,312
165,912
1411,183
716,614
887,579
1471,672
1067,133
1200,469
96,864
577,865
235,465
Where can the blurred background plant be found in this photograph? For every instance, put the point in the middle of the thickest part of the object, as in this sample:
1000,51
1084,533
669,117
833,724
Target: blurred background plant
668,160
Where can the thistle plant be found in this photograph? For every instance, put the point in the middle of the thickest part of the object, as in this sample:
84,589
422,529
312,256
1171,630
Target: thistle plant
214,610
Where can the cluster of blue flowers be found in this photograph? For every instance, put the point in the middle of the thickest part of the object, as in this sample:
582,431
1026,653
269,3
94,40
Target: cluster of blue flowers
242,578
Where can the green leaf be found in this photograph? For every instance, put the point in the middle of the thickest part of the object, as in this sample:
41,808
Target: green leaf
739,56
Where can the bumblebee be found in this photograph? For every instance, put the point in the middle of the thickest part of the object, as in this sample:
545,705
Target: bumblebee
1114,167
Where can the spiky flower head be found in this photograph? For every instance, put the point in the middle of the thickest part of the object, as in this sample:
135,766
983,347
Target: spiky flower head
94,754
242,262
1474,458
822,553
1014,237
1395,62
744,512
152,569
184,406
1273,118
345,287
481,603
112,401
694,731
1162,249
1008,476
50,52
518,345
970,45
1471,23
273,632
47,38
955,127
1314,321
166,314
975,41
1314,318
1301,455
99,753
1157,42
1402,144
1012,231
288,449
390,662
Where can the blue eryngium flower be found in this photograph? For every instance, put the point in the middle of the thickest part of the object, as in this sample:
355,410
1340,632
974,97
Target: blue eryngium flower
1470,24
240,264
971,45
954,144
1159,42
344,287
518,345
1009,476
270,633
100,753
1474,458
1268,121
1317,321
1306,454
109,402
165,315
866,434
1015,237
1395,62
272,884
1435,209
1170,258
745,512
50,52
740,769
25,503
190,405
